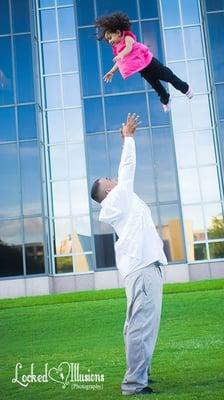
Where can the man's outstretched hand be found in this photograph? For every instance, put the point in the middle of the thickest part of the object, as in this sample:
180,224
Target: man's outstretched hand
128,128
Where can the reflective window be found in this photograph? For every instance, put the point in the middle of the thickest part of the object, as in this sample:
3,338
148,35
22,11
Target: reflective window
220,96
200,112
27,122
4,17
152,38
63,265
221,140
174,52
55,126
172,232
194,225
115,144
79,197
71,90
164,164
104,250
74,124
205,147
34,250
50,58
190,14
81,234
6,81
214,218
185,149
60,199
66,22
46,3
58,162
189,185
8,124
48,25
156,115
89,62
85,18
197,75
104,243
11,260
69,58
216,30
108,7
64,2
171,14
20,16
148,9
9,177
216,250
93,115
24,71
97,157
76,156
30,177
62,236
200,252
181,113
83,263
193,42
53,92
121,106
214,5
209,183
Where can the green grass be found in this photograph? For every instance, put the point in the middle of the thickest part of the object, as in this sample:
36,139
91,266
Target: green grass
86,328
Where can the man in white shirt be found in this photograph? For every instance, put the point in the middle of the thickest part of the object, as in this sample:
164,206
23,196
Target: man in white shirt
139,255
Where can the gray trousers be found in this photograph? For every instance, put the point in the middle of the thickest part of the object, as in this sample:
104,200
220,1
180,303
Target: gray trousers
144,302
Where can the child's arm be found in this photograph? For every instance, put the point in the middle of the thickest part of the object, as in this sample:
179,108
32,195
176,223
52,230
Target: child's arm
109,75
129,44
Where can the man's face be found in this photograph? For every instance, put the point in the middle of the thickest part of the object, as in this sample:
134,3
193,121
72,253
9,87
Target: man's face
106,185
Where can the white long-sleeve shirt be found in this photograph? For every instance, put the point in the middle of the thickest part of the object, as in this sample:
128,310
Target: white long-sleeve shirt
139,243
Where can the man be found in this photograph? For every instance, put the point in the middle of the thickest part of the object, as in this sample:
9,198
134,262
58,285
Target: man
139,254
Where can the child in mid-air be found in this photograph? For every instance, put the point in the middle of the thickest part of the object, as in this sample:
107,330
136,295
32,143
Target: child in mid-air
132,56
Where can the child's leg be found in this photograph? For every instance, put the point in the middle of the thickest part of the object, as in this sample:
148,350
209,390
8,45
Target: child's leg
149,76
165,74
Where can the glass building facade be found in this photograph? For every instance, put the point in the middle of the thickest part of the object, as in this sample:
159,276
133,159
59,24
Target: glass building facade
59,131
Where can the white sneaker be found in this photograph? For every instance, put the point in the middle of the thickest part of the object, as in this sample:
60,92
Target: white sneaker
167,107
189,93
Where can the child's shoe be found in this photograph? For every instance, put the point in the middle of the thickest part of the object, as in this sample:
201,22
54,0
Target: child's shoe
189,93
167,107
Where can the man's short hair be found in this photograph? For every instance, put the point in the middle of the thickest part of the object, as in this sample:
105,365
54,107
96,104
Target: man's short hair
95,191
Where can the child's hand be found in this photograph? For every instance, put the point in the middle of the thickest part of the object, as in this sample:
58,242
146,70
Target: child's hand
118,57
108,77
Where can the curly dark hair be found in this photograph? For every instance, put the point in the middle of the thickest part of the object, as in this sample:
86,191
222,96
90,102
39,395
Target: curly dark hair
112,23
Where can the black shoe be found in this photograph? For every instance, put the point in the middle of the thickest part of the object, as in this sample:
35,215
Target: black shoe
146,390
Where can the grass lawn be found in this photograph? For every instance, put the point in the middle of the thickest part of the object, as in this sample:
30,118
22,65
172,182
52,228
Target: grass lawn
86,328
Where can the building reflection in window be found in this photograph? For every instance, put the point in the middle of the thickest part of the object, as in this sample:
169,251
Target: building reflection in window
172,232
63,265
33,230
11,259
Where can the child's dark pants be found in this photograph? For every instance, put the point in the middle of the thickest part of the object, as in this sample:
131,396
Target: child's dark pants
156,71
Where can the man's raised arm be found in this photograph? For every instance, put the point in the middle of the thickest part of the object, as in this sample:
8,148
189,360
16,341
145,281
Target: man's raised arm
126,171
